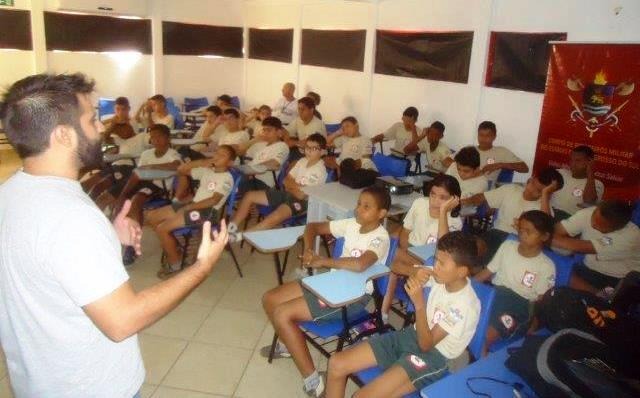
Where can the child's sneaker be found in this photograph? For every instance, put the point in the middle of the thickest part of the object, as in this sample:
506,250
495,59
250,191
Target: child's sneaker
318,391
279,352
235,237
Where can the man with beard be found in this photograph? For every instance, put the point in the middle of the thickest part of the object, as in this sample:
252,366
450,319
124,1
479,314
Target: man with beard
68,315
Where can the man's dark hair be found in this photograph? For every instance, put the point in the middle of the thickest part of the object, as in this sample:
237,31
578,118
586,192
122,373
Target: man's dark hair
160,98
438,125
308,102
318,139
123,101
411,112
350,119
468,156
381,196
541,221
585,150
548,175
230,151
225,98
272,121
461,246
32,107
616,212
487,125
215,109
315,97
232,111
162,129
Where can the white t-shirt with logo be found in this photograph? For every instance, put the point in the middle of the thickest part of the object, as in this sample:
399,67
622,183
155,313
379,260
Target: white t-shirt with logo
357,148
570,196
212,182
401,136
423,227
133,146
510,204
59,254
529,277
149,158
297,128
309,176
457,314
286,110
234,138
497,154
435,157
356,243
617,253
261,152
468,187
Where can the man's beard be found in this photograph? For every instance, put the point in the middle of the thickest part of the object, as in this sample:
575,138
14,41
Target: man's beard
89,151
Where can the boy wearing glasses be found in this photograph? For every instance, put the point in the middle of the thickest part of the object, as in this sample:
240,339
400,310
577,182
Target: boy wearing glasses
308,171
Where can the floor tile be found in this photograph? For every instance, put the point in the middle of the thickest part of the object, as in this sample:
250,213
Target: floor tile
166,392
245,295
159,355
147,390
232,328
183,322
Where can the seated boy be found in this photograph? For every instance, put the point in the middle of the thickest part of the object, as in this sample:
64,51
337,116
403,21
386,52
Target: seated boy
610,241
215,184
352,145
465,170
512,200
121,125
521,273
366,243
301,127
418,355
581,189
493,158
316,99
154,111
435,150
233,134
254,121
308,171
207,135
402,132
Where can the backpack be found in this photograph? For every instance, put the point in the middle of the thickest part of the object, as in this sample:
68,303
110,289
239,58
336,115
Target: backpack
354,177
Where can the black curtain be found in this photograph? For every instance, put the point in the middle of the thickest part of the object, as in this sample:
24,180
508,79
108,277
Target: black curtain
190,39
340,49
271,44
16,29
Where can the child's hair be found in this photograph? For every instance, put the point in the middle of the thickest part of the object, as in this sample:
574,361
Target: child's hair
548,175
318,139
264,108
225,98
315,97
541,221
585,150
233,112
438,125
162,129
468,156
617,212
451,185
122,101
350,119
272,121
411,112
461,246
230,151
215,109
487,125
381,195
307,102
160,98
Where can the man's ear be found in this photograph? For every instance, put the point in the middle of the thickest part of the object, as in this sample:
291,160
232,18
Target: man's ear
64,135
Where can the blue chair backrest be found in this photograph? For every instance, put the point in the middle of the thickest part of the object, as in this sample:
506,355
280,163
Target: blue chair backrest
505,176
235,102
173,109
389,165
282,173
191,104
331,175
231,200
332,127
337,248
106,106
635,217
486,294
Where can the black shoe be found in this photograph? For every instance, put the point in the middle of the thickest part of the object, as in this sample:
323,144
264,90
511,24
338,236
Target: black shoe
129,256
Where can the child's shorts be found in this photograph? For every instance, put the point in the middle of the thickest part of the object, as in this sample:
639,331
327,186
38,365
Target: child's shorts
594,278
277,198
510,313
195,218
321,312
120,174
401,348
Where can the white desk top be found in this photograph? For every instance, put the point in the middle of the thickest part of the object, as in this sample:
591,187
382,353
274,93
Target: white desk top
154,174
274,240
342,287
423,252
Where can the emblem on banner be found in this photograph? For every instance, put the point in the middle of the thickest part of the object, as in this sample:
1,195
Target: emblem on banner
598,100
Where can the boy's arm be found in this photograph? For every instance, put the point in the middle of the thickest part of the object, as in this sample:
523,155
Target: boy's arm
483,276
412,147
378,138
163,166
311,231
545,200
589,194
403,238
443,219
185,168
427,338
291,186
334,136
520,167
357,264
475,200
573,244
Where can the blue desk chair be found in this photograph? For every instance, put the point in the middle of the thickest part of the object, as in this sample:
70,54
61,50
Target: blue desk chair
635,216
173,109
390,165
235,102
504,177
339,330
191,104
106,106
332,127
486,294
185,234
164,201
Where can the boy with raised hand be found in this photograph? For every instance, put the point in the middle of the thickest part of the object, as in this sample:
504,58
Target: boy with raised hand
493,159
402,132
255,118
430,143
122,125
512,200
465,170
154,111
610,241
233,133
417,355
352,145
581,188
301,127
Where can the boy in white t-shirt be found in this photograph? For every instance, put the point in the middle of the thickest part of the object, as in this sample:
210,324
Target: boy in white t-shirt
430,143
215,184
366,243
154,111
493,159
511,200
465,170
255,118
609,240
581,189
418,355
521,273
402,132
302,127
308,171
233,134
207,135
352,145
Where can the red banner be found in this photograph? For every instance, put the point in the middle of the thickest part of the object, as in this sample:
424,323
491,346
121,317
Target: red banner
592,98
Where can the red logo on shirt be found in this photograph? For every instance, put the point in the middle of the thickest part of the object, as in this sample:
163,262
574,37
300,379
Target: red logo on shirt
577,192
194,215
529,278
417,362
431,239
356,253
438,316
491,161
211,186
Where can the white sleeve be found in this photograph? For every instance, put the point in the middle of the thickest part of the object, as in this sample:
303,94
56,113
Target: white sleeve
576,224
390,133
455,224
338,228
495,197
599,189
282,154
197,173
379,245
295,171
173,155
497,260
409,219
292,128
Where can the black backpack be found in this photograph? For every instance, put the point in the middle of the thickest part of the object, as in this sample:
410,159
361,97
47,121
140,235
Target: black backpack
354,177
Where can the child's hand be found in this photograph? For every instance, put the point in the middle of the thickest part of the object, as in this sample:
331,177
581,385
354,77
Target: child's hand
415,292
307,257
422,274
516,224
449,205
488,168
